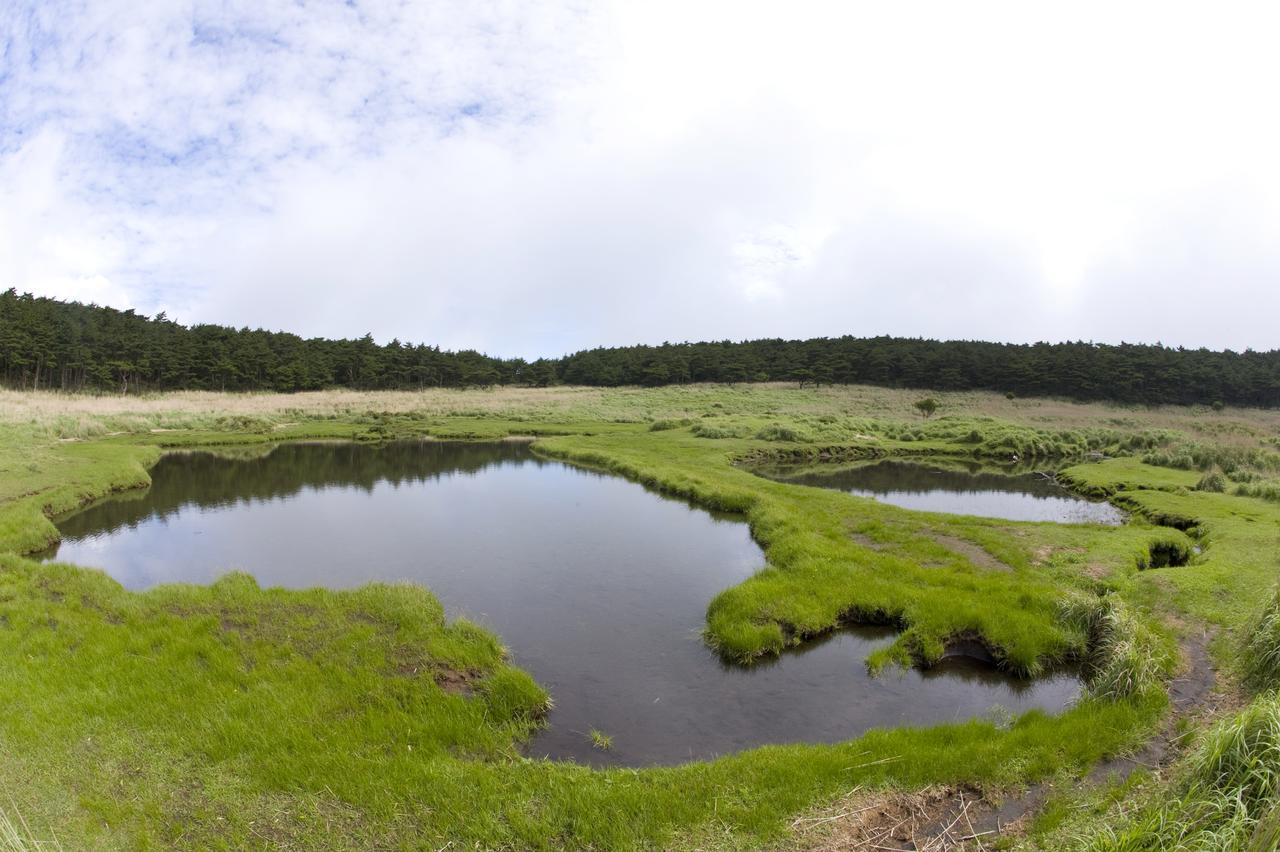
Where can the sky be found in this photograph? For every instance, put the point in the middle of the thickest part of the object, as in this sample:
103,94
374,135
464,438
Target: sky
530,179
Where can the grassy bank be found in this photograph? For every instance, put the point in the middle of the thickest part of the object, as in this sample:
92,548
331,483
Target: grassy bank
228,714
240,716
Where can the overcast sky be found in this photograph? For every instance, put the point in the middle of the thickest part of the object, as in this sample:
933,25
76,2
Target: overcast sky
534,178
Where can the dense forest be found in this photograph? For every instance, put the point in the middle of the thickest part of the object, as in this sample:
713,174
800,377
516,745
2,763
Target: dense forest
50,344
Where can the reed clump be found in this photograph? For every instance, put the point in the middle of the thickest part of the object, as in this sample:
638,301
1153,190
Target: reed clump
1260,648
1225,796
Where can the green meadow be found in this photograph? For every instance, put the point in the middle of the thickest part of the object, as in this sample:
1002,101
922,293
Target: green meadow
231,715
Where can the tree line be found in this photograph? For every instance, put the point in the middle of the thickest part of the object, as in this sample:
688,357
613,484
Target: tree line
51,344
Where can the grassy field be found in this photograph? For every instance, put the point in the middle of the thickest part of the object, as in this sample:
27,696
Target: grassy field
231,715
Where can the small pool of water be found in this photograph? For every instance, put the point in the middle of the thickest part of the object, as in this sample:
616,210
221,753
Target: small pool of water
597,585
915,485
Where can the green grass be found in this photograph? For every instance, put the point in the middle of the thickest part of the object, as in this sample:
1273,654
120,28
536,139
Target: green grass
1260,648
1226,793
1224,796
1106,478
230,715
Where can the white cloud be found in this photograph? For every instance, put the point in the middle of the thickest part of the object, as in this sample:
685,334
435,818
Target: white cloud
535,178
49,243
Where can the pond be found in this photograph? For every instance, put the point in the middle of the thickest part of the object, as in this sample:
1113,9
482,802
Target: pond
598,586
1025,496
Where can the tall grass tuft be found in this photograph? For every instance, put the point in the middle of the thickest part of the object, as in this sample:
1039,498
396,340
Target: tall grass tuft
16,836
1262,490
668,423
1226,796
704,430
1260,651
1213,482
778,432
1126,657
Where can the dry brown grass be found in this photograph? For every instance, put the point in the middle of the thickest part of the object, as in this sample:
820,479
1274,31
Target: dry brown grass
929,820
75,415
29,405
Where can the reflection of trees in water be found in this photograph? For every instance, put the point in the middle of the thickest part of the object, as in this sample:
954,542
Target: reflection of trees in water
973,670
871,635
208,480
967,669
887,477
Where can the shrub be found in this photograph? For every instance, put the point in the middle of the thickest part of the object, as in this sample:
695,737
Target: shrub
926,406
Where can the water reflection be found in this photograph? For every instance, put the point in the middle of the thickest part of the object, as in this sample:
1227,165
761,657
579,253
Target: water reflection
1027,496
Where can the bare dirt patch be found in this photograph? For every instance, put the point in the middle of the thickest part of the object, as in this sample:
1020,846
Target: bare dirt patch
976,554
867,541
455,681
411,662
929,820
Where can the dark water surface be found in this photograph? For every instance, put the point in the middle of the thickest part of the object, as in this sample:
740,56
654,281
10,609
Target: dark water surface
914,485
598,586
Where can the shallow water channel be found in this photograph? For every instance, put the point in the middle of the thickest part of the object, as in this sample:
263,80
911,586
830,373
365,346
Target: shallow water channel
1025,496
598,585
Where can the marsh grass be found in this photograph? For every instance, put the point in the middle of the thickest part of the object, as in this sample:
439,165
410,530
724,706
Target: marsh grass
1260,647
1214,481
1129,658
1126,657
1261,490
1224,793
231,715
1225,796
669,423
